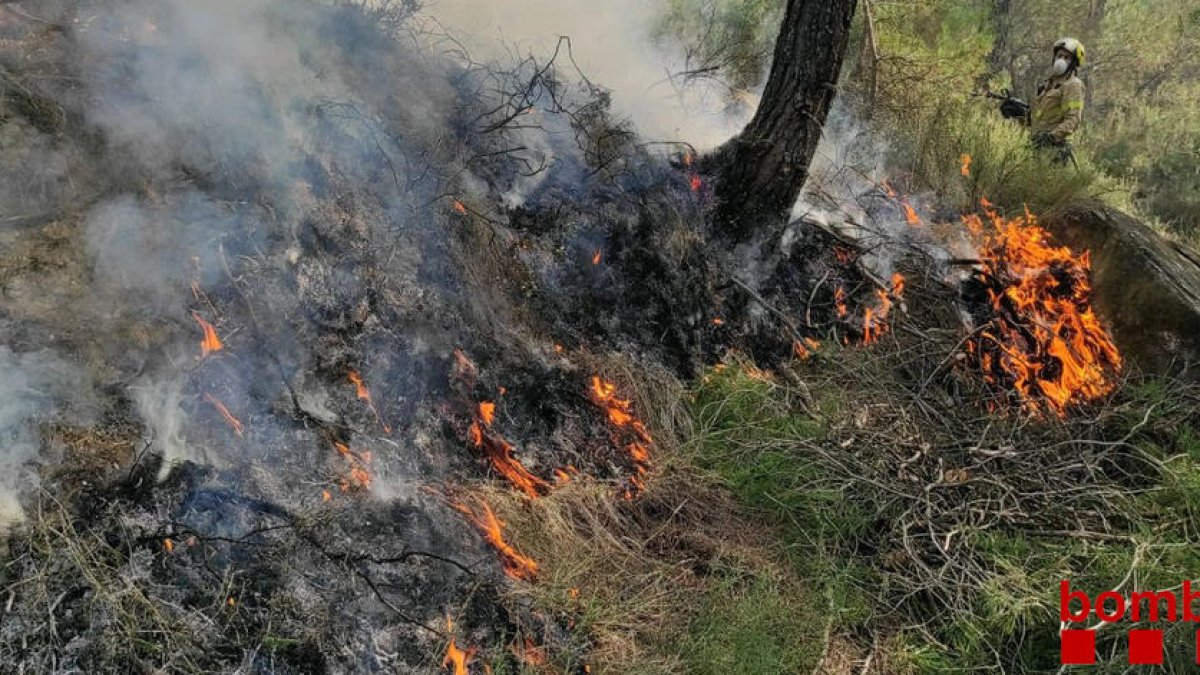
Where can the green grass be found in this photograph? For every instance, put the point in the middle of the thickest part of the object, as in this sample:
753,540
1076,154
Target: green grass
752,624
761,439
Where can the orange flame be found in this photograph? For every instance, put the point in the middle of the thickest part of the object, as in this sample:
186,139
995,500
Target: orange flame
597,256
358,461
1045,343
364,395
168,545
499,453
487,412
839,302
516,564
695,182
325,496
458,206
898,283
910,214
620,416
211,343
456,659
232,421
966,165
718,321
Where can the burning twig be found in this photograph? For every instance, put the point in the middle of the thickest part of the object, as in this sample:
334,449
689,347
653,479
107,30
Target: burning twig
232,421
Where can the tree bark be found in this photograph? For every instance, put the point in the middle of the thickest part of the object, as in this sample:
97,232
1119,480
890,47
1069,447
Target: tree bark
760,172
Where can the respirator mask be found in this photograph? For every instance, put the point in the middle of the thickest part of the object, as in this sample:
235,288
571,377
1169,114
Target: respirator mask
1060,66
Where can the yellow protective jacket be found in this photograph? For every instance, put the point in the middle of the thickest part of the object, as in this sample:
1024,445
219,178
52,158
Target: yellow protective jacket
1058,108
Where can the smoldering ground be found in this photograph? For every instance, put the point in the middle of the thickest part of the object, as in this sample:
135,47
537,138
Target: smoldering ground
308,190
246,204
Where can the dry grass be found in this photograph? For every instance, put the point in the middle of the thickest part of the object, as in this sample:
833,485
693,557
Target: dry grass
641,577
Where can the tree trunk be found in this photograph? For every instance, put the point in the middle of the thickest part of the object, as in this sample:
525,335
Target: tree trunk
760,172
1000,58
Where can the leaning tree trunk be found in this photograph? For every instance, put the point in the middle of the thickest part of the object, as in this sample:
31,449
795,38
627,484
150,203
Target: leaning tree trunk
759,174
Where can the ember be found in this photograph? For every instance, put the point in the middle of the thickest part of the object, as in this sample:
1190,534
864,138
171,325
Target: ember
620,416
458,206
1043,344
232,421
516,565
596,257
211,343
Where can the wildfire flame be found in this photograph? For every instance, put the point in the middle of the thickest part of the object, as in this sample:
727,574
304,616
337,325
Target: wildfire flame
232,421
456,659
597,256
458,206
500,453
804,349
621,418
168,545
1045,342
910,214
898,283
364,395
211,342
839,302
966,165
516,564
487,412
358,461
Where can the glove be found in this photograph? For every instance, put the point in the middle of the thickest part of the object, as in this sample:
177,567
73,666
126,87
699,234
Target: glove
1014,108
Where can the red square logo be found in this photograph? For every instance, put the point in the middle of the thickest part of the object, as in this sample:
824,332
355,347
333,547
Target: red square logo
1146,647
1078,647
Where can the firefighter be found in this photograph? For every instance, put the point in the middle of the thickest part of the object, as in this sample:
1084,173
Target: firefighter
1057,111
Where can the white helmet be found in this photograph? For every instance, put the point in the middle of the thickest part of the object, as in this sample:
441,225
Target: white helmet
1074,46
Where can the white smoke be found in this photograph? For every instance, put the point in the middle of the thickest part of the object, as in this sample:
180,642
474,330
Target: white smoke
611,43
35,386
